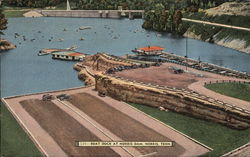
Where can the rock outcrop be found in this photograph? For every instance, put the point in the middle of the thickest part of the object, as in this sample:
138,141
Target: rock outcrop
103,62
99,63
84,74
6,45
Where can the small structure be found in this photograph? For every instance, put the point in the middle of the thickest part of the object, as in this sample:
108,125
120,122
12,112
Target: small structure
69,55
149,51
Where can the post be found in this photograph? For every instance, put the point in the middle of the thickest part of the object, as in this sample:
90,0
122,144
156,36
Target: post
130,15
143,15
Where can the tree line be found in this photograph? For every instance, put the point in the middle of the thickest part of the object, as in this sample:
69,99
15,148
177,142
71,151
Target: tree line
160,15
3,21
33,3
113,4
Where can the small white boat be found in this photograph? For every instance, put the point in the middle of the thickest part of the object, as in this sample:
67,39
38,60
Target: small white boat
84,27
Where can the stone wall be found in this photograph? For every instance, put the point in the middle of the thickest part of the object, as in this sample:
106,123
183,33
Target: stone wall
174,101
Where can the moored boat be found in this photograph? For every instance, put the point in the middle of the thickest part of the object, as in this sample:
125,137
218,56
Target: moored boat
85,27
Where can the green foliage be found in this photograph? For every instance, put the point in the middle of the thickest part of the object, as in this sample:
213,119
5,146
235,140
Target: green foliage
34,3
158,18
3,21
14,13
216,136
14,141
205,3
207,32
237,90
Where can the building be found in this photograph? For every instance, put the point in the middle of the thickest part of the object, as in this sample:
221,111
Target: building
69,55
149,51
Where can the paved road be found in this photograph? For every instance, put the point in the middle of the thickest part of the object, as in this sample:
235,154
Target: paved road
216,24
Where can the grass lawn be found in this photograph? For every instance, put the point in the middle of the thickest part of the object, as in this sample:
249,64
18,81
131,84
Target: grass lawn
216,136
13,13
236,90
14,141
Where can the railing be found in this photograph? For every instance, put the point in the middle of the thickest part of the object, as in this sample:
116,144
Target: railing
227,81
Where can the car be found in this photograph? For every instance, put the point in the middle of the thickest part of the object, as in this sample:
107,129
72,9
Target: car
47,97
101,94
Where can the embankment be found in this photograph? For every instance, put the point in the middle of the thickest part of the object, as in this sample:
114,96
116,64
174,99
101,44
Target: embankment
230,42
84,74
172,100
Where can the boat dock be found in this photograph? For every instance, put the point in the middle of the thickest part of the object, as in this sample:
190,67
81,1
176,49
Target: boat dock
69,55
47,51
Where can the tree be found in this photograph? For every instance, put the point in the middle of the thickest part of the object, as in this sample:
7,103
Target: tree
3,22
177,18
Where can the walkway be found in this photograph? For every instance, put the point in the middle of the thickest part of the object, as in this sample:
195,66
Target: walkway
199,87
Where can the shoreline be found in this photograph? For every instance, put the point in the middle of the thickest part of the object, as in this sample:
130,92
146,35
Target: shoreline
235,44
6,45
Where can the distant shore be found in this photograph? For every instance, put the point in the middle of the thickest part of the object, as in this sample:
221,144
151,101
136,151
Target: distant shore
235,44
6,45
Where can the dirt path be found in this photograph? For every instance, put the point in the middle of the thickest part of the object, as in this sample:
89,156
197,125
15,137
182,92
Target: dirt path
199,87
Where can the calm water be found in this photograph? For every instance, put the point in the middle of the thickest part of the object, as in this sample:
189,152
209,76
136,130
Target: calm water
22,71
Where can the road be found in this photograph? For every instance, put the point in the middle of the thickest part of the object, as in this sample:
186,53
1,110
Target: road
216,24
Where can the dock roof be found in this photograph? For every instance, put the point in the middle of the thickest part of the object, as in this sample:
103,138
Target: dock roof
69,53
152,48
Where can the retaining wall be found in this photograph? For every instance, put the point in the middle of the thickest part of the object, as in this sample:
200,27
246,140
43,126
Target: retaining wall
172,100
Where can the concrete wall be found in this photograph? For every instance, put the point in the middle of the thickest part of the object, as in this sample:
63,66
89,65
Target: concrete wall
82,13
90,13
175,101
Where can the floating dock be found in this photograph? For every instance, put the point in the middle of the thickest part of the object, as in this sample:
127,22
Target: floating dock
47,51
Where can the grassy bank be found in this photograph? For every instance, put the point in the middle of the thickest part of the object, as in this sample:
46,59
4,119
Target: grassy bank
236,90
216,136
14,141
13,13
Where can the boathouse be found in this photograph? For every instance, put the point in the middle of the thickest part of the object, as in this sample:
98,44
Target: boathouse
69,55
149,51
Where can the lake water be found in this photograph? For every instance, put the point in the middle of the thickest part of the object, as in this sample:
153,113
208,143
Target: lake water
22,71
